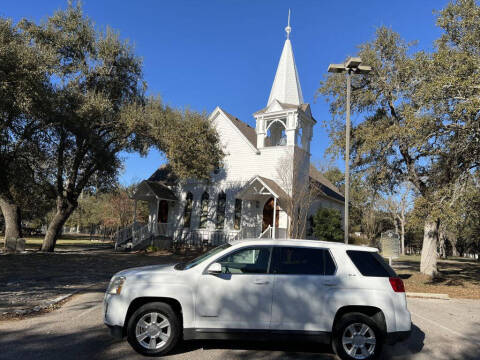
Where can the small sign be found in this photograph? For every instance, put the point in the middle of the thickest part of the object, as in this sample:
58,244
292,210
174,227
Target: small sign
390,243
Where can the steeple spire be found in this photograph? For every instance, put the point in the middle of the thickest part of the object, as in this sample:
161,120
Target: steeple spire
286,86
288,29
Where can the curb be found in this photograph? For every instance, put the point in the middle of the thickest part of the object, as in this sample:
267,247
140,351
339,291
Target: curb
44,306
428,296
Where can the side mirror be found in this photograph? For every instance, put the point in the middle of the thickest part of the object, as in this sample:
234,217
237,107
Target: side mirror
215,268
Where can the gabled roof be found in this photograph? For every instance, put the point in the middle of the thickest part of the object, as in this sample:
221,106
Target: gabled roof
286,85
148,189
274,187
247,131
164,174
325,186
271,186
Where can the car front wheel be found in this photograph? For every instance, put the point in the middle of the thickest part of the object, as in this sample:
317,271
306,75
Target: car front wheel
154,329
357,336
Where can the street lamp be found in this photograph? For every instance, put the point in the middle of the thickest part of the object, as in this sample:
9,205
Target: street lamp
351,66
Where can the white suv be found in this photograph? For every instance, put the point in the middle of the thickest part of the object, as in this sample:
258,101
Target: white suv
340,294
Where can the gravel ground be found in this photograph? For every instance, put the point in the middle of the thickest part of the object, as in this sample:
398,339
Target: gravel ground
35,279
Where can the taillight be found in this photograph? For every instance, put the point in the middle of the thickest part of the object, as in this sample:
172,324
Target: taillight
397,284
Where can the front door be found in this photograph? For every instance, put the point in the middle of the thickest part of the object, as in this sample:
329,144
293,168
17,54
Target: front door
304,280
268,214
241,296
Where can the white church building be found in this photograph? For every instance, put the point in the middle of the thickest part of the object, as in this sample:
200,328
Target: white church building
250,196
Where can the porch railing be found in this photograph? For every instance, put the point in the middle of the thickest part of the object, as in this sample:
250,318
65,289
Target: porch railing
126,234
141,234
267,233
138,232
280,233
204,237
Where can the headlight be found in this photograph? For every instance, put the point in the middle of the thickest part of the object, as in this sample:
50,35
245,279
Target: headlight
115,286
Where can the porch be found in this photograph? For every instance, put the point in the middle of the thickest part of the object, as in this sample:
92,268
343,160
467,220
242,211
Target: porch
160,199
268,218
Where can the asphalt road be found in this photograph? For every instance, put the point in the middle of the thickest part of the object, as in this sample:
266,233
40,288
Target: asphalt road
442,330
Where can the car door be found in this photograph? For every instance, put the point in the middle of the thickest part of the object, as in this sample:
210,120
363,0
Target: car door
240,297
303,278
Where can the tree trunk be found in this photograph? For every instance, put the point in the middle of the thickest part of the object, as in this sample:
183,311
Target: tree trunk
441,245
428,262
452,238
64,210
402,236
13,219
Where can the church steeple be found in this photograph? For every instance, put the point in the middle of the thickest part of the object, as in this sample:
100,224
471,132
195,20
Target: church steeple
286,86
287,120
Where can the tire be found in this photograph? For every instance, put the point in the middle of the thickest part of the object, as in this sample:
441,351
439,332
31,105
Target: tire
357,346
146,334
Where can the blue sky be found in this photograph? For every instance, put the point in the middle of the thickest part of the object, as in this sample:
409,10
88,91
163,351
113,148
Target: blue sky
200,54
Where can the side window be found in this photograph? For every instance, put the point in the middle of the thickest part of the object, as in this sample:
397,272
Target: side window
303,261
370,263
253,260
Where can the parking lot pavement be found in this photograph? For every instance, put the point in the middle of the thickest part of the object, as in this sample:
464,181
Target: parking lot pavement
442,330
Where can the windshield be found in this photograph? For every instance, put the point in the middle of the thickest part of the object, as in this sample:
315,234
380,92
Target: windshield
198,260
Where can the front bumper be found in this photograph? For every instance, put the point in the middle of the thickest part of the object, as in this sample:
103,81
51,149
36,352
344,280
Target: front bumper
116,331
397,336
115,310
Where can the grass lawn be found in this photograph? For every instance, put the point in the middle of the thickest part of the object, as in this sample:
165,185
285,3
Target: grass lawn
458,277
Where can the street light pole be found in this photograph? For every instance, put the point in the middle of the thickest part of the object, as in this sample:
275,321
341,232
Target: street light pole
352,65
347,156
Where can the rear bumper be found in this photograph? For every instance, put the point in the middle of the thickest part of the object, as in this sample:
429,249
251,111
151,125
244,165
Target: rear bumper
116,331
397,336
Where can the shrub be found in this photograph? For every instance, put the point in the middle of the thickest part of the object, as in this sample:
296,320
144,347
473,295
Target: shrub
327,225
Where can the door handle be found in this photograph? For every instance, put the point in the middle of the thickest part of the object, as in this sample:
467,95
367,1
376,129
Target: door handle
260,282
330,283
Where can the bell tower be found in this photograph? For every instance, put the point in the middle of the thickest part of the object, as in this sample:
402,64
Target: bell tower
287,120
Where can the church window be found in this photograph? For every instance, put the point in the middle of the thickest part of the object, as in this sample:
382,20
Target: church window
187,214
204,210
222,199
310,226
238,214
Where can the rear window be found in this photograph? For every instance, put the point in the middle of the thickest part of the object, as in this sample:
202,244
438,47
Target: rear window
370,263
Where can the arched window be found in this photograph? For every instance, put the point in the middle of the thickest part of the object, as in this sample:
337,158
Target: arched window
187,214
204,210
222,200
276,135
310,226
300,138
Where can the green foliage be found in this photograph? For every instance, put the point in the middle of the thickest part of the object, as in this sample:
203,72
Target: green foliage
24,101
420,113
74,100
336,177
327,225
152,249
112,209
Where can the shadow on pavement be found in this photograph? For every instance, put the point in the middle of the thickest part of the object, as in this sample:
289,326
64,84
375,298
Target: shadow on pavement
414,344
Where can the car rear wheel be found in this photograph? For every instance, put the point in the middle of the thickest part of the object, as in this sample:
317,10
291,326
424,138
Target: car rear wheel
154,329
357,336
